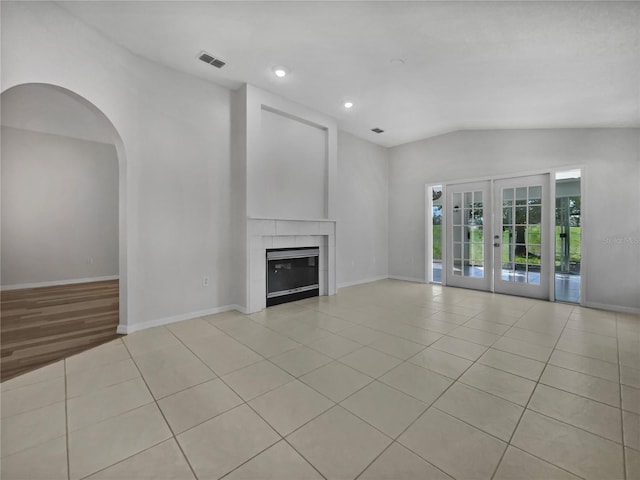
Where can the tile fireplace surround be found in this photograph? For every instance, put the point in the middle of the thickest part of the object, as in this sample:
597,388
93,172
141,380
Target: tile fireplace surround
267,233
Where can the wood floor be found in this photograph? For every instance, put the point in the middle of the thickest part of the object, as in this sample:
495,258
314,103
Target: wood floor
42,325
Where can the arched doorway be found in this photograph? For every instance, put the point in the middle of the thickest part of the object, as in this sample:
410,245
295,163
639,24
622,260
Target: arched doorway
63,239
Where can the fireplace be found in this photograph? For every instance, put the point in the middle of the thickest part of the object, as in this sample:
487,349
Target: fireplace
266,234
292,274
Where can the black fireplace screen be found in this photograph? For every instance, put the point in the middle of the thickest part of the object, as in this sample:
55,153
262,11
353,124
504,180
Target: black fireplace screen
292,274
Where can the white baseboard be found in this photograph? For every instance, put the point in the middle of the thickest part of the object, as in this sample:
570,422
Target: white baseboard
360,282
407,279
239,308
126,329
613,308
55,283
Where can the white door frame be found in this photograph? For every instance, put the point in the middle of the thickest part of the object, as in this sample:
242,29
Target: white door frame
428,232
584,222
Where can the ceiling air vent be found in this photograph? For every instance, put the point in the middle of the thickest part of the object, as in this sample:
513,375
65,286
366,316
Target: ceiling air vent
211,60
377,130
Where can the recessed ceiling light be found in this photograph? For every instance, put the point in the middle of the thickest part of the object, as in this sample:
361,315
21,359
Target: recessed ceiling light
280,71
348,104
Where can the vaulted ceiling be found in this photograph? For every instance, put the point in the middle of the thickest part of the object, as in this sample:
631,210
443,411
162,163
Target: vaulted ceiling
414,69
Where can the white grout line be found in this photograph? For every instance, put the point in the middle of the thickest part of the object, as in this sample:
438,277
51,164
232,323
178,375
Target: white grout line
334,404
624,453
429,406
155,401
524,409
244,402
527,405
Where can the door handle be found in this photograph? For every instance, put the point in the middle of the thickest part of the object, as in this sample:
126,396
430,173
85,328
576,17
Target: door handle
496,244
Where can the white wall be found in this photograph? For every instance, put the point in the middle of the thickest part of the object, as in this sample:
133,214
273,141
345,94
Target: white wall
290,180
59,208
610,195
175,179
239,272
362,211
46,109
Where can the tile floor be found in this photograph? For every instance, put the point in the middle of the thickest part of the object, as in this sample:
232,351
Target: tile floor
389,380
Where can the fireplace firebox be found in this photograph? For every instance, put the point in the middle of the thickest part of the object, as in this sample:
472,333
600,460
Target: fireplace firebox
292,274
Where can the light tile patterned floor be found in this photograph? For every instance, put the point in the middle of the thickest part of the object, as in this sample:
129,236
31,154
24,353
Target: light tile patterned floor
388,380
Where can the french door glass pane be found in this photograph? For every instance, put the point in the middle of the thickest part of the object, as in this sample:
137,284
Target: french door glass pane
472,270
534,252
535,195
468,234
535,215
457,266
468,199
521,234
533,235
457,250
507,215
507,197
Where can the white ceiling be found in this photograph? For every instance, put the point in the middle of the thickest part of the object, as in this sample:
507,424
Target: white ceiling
467,65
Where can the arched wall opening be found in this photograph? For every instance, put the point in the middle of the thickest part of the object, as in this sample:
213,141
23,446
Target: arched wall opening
54,110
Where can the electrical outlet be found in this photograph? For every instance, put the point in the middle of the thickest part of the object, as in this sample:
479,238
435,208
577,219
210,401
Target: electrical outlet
205,281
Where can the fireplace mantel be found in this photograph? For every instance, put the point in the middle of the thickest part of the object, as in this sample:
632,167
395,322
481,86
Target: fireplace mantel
265,233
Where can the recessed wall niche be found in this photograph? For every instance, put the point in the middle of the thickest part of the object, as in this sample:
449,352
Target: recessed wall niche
289,178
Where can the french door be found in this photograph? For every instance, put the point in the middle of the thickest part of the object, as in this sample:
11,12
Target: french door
521,240
497,236
468,242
